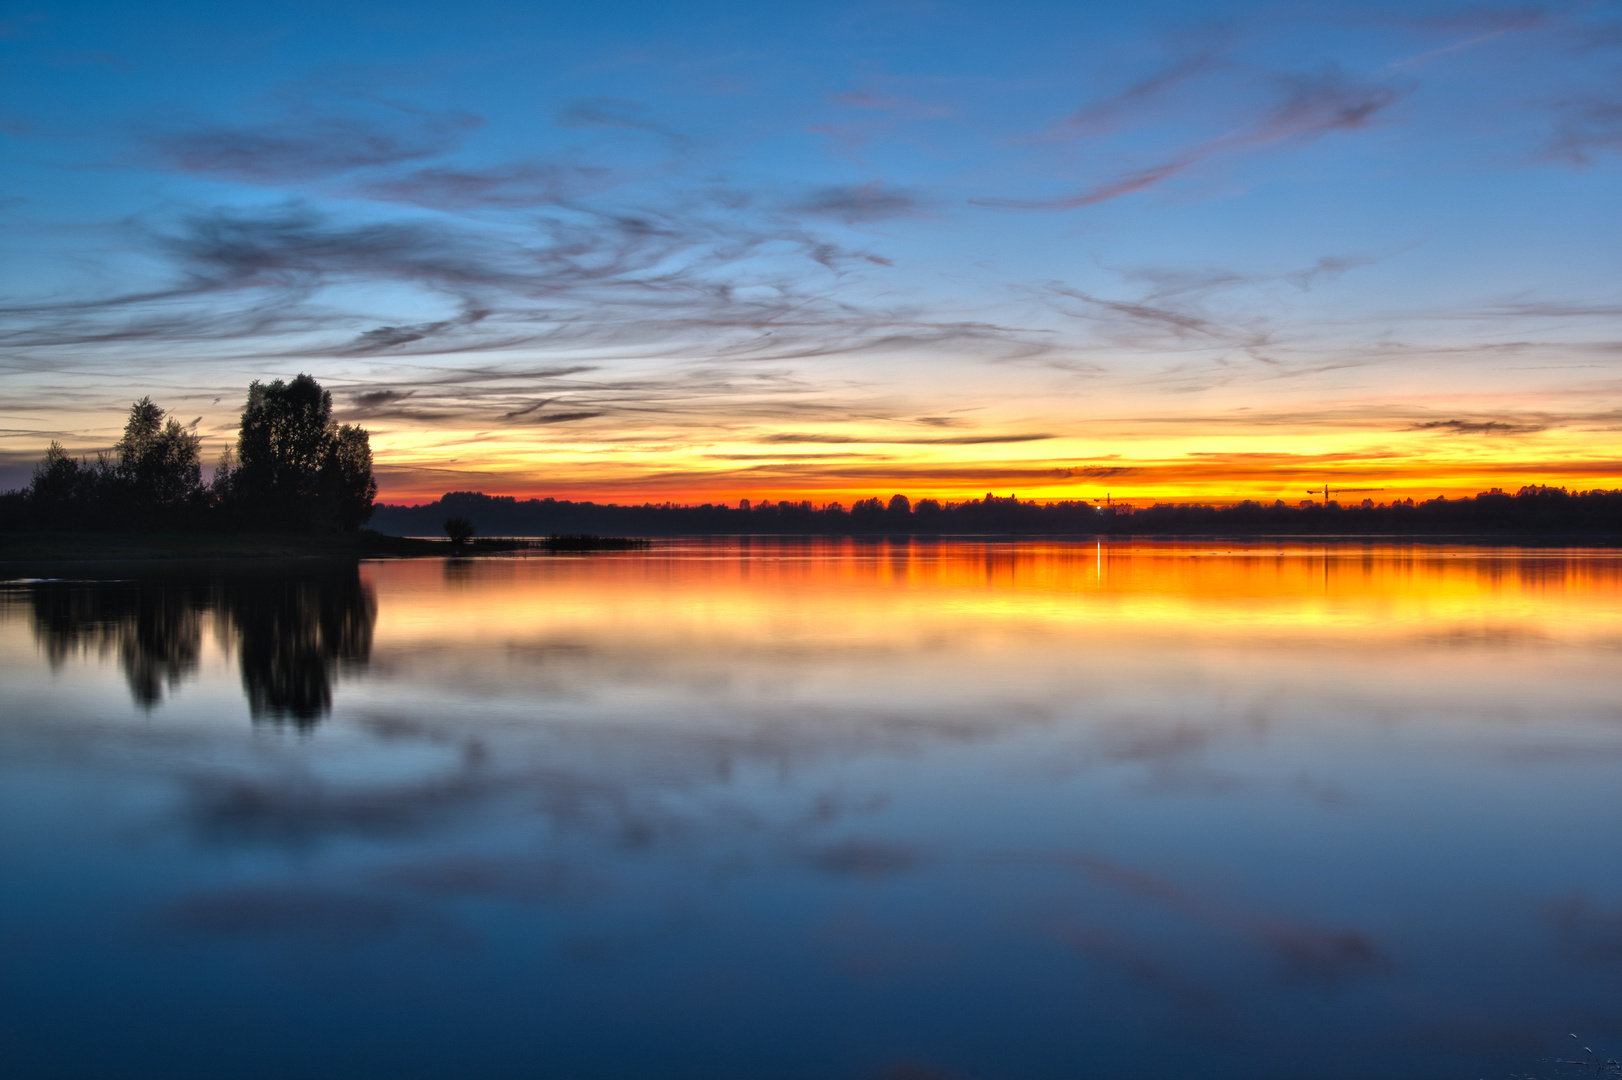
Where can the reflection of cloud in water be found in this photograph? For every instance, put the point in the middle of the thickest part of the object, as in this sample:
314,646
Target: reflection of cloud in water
863,858
1308,953
516,880
333,916
295,808
1587,931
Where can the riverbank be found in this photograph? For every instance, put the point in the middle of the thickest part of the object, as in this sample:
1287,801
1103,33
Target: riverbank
31,550
34,547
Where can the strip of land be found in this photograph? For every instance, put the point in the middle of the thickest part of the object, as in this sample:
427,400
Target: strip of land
140,546
43,549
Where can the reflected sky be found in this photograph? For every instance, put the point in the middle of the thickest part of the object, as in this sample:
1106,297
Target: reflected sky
828,809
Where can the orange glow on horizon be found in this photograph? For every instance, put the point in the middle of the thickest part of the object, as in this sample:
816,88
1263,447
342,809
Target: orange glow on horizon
1140,483
1220,457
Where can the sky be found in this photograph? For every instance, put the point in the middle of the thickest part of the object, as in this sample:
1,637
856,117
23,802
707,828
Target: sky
702,252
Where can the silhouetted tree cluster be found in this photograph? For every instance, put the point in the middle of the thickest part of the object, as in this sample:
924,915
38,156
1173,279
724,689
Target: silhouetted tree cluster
1534,510
293,631
293,465
293,468
152,475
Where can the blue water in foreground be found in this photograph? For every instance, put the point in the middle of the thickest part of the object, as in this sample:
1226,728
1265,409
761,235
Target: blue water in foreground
820,810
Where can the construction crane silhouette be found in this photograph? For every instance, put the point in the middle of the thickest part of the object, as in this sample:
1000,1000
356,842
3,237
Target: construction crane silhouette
1340,491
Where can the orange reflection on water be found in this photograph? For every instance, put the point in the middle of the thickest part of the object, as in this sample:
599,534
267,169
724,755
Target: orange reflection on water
855,591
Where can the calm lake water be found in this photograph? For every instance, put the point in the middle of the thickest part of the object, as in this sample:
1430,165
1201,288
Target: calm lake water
818,810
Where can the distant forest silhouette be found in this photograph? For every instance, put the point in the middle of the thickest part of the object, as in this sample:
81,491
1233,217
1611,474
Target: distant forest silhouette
1532,510
293,631
293,469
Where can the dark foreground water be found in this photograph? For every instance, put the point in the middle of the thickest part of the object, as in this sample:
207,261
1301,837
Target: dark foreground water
830,810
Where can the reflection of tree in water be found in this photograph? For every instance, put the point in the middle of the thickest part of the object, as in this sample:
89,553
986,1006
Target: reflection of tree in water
154,629
460,572
293,632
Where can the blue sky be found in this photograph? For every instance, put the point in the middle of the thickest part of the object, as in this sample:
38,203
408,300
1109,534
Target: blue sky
692,250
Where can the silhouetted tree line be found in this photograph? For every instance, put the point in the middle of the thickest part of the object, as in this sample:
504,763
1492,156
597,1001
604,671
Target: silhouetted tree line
292,469
1534,510
293,632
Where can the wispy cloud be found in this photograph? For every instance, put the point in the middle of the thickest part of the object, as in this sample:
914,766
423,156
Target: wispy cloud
620,113
1585,129
1104,116
574,278
1307,106
520,185
308,146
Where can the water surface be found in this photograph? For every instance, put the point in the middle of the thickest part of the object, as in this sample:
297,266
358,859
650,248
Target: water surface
832,809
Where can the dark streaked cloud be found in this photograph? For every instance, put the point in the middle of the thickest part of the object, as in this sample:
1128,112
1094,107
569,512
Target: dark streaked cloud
1327,100
1586,129
1328,267
562,417
373,399
1308,105
389,338
1180,323
1479,427
657,279
1104,192
858,203
570,280
788,437
1105,115
511,186
301,147
1210,311
623,113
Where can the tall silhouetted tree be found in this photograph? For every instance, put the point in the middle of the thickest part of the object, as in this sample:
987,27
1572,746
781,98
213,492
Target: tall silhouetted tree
57,484
282,443
294,465
158,461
